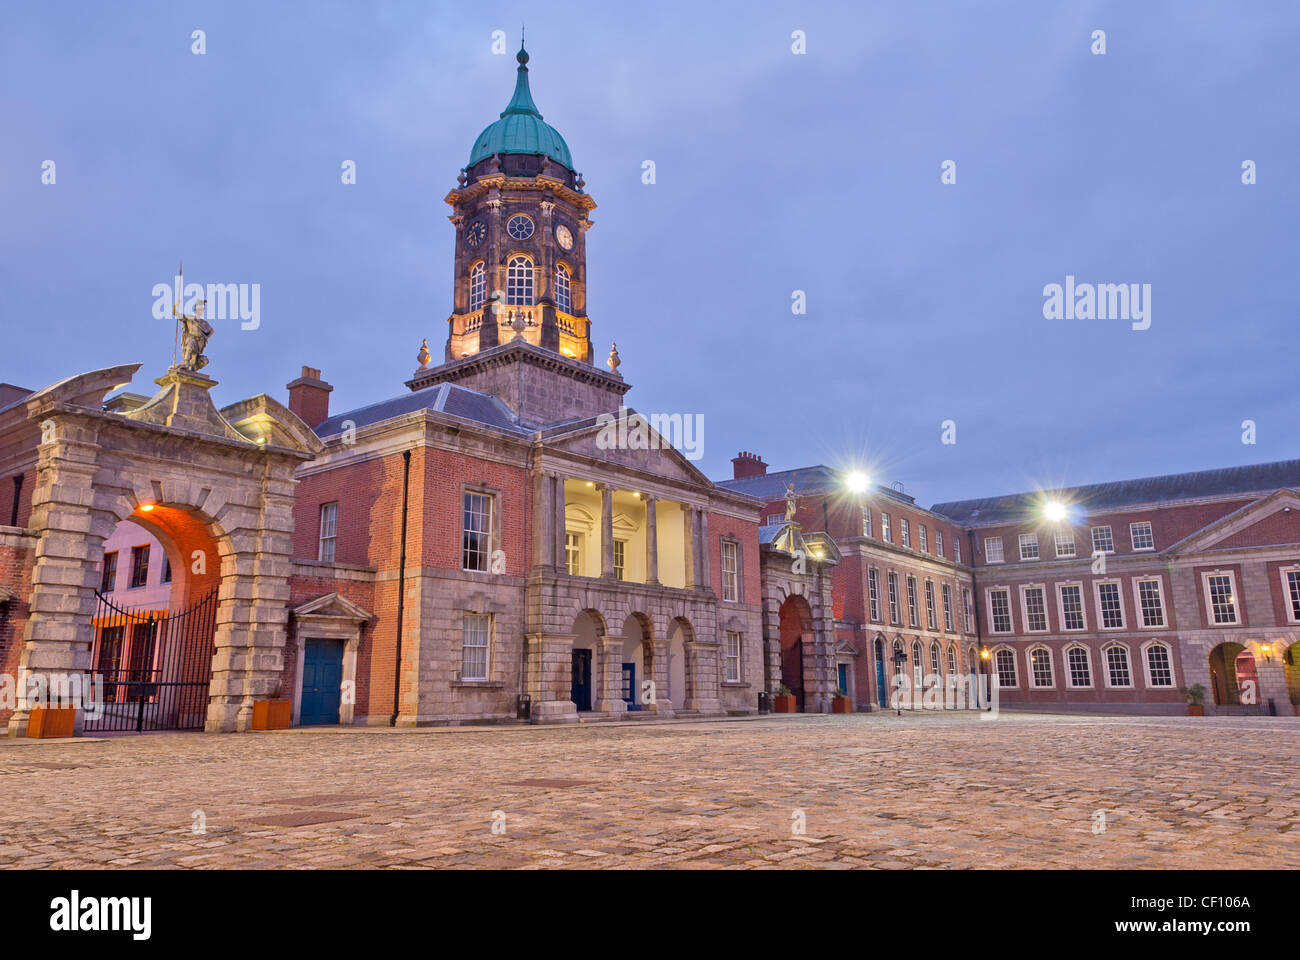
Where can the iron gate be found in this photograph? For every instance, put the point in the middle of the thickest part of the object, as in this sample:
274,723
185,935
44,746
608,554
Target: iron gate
156,666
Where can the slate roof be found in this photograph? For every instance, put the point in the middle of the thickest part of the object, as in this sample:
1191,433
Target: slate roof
1256,479
446,398
807,482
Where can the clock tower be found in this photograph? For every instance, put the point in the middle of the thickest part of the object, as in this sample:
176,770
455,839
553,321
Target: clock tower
521,219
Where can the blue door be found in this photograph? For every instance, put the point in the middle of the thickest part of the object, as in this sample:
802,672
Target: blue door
629,687
844,677
881,692
322,681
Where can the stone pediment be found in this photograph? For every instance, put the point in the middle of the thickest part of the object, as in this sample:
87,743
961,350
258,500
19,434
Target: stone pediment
1271,521
632,441
264,417
332,606
83,390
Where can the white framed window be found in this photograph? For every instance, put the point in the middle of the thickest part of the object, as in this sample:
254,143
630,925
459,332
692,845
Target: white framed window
905,526
866,521
934,659
329,532
477,285
1102,541
1029,546
1220,597
1291,591
1040,667
1064,542
885,533
519,282
476,535
938,542
475,635
968,611
1110,606
1071,601
620,559
730,571
947,608
992,549
892,581
1150,603
1118,673
918,671
931,622
573,553
733,656
925,538
1005,663
1159,665
563,293
873,594
1000,610
1140,535
956,550
952,659
1034,603
913,614
1078,666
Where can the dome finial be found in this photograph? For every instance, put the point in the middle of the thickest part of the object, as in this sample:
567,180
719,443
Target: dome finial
522,55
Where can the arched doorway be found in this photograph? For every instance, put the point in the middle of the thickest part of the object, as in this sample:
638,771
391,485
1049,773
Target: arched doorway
638,661
796,627
1226,659
882,689
153,631
679,668
588,628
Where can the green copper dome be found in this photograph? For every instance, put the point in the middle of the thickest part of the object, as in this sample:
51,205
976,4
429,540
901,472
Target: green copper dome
521,128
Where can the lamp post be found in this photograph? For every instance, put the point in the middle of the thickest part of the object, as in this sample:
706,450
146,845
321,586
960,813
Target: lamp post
899,659
985,656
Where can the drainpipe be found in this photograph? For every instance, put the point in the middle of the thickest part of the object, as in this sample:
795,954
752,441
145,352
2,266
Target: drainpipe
401,586
975,602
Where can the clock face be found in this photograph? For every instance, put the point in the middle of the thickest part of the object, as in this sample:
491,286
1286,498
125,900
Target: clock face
565,237
519,227
475,233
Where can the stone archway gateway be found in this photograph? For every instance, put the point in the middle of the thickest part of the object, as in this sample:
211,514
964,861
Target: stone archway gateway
227,475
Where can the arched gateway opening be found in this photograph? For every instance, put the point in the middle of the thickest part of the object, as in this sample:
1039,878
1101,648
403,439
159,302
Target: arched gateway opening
197,479
154,624
796,628
1232,672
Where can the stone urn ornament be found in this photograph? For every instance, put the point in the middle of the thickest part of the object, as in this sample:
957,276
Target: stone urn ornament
614,359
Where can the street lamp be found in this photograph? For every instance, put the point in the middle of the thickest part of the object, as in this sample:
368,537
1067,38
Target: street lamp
1054,511
857,482
899,659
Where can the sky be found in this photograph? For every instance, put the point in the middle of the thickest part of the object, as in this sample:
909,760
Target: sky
775,172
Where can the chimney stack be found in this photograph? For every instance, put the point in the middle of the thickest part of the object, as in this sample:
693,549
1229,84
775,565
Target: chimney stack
309,397
748,465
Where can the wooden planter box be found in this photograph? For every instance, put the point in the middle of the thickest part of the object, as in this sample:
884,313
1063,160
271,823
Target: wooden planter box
1195,710
841,705
50,722
272,714
783,704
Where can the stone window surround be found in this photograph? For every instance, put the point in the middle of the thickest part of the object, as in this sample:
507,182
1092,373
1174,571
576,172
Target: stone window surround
1238,610
1141,623
1029,667
1119,593
1069,675
1060,605
740,568
1024,607
1286,591
988,600
1146,664
996,673
1105,664
494,523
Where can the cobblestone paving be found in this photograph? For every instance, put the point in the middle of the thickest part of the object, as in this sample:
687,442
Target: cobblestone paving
875,790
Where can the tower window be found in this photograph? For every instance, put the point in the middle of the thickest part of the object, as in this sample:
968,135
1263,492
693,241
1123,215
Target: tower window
477,285
563,298
519,282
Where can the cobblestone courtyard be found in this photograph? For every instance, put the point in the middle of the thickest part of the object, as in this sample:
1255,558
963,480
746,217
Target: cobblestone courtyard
875,791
